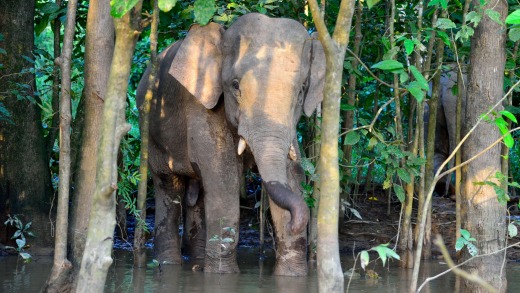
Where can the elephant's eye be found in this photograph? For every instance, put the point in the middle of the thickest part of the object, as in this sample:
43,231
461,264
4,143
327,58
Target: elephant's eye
236,84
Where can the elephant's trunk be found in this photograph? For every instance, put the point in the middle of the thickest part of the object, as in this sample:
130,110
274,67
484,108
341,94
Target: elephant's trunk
271,159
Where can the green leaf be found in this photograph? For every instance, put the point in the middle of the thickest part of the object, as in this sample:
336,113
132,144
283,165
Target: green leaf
25,255
118,8
372,142
445,23
403,77
204,10
420,78
385,252
351,138
20,243
416,91
494,15
474,18
512,230
364,258
444,37
409,45
502,196
465,233
459,244
371,3
513,18
508,115
49,7
307,166
388,65
404,175
509,141
399,192
433,3
166,5
514,34
228,240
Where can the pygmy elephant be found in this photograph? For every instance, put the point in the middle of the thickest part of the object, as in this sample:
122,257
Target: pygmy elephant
445,126
227,99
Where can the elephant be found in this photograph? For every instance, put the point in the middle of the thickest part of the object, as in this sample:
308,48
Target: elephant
445,127
228,99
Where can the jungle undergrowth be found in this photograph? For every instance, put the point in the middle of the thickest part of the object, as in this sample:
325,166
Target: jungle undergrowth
20,236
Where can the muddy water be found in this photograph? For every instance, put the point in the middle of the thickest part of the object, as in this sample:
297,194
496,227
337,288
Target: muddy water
255,277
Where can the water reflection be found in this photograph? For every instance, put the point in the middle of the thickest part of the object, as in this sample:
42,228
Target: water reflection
255,276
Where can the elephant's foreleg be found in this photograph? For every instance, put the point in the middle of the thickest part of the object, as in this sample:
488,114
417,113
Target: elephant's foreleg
169,191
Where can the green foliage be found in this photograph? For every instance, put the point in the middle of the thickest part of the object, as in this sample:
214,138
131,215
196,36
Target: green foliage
372,3
118,8
465,240
501,123
382,250
166,5
512,230
513,17
204,10
225,238
47,12
502,194
20,235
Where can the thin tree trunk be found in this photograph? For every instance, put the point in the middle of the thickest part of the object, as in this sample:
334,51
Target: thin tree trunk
61,266
484,217
348,115
330,275
313,222
98,249
139,238
53,130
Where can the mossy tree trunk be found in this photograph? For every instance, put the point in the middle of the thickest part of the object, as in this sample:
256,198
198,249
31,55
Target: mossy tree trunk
330,275
98,248
99,48
482,215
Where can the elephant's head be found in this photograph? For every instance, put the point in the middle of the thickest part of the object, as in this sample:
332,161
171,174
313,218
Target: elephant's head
269,70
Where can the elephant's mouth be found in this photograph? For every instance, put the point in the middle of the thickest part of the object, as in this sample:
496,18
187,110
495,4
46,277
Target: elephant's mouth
242,145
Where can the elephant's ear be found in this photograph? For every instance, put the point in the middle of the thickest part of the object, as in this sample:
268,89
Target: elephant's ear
316,78
198,63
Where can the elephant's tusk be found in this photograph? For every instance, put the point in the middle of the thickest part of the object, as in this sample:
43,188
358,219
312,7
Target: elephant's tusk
241,146
292,153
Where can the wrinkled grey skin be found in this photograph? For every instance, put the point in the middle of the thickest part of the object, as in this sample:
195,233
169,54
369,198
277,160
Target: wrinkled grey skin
446,127
217,86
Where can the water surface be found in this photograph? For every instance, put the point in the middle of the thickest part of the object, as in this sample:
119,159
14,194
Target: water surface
255,276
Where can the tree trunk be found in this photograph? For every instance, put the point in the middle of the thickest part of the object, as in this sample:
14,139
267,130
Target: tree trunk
330,275
483,216
25,185
98,248
140,237
99,48
61,267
